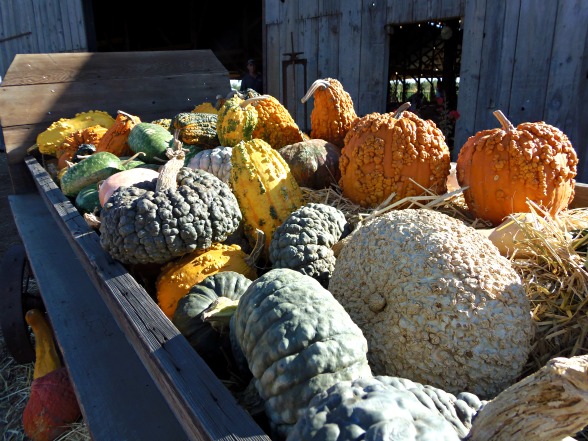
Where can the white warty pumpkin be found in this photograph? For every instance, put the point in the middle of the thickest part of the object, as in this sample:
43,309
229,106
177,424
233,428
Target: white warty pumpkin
216,161
436,301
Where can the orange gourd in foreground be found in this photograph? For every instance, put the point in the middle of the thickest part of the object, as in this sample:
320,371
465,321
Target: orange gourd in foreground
504,167
396,153
115,139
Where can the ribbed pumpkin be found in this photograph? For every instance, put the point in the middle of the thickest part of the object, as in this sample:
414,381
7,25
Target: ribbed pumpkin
333,111
504,167
115,139
265,189
384,152
177,277
275,125
235,122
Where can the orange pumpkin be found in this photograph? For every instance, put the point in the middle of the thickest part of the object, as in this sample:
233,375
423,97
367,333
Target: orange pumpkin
504,167
396,153
333,111
115,139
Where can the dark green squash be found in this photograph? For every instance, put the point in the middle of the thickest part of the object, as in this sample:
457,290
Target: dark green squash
151,139
90,170
314,163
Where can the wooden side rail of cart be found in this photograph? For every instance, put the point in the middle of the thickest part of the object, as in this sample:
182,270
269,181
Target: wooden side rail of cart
135,376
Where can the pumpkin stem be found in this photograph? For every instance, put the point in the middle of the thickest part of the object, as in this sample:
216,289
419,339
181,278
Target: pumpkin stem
400,110
504,122
313,87
126,161
128,115
256,252
253,99
169,170
220,311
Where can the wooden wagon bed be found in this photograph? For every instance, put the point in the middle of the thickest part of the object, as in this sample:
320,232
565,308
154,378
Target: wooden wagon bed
135,375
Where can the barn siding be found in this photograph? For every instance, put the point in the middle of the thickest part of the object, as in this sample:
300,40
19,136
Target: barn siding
525,57
40,26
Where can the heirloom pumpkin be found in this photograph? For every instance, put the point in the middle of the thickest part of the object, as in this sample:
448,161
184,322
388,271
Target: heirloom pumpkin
502,168
216,161
385,153
184,211
298,341
333,111
195,128
235,122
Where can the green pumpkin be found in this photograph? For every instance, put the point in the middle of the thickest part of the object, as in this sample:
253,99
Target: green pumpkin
151,139
209,334
298,341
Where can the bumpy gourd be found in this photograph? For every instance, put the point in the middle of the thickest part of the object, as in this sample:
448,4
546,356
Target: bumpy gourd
505,167
195,128
50,139
385,153
69,147
298,341
385,407
115,139
178,277
314,163
205,107
235,122
274,125
333,111
436,301
185,211
303,242
216,161
264,187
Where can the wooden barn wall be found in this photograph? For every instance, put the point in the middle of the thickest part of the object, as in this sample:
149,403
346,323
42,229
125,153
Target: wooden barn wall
40,26
528,58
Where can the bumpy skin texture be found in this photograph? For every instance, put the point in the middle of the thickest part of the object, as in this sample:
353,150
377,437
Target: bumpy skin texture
216,161
196,128
141,226
235,123
436,301
303,242
378,408
298,340
382,154
275,125
505,167
332,114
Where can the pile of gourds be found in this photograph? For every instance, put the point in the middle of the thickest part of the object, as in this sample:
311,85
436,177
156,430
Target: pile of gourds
214,198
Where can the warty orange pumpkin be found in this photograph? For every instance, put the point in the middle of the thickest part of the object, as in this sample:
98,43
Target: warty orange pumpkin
505,167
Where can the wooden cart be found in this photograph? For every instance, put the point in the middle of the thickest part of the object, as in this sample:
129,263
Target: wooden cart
135,376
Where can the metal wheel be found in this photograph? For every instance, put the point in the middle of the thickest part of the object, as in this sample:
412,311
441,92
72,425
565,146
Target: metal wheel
18,294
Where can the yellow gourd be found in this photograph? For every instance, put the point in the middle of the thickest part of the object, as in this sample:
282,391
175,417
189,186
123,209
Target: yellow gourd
176,278
46,356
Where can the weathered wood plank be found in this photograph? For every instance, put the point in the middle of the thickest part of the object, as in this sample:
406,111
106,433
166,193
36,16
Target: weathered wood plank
116,394
204,407
349,47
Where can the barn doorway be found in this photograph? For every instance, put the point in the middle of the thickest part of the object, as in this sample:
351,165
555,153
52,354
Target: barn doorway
424,66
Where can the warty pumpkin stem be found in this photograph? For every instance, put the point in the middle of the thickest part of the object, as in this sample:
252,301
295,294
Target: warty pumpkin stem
401,110
504,122
313,87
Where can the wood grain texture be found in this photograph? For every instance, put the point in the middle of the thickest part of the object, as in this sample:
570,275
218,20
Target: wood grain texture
550,404
202,404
